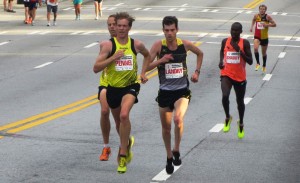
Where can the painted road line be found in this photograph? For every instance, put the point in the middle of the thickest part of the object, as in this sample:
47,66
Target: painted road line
48,114
267,77
119,4
282,55
3,43
163,176
274,13
91,45
46,32
50,118
67,9
288,38
217,128
240,11
146,9
35,32
77,32
202,34
184,5
246,36
3,32
136,9
253,4
247,100
284,14
89,32
132,32
43,65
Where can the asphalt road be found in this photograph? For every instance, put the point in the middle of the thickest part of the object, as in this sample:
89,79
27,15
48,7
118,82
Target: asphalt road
49,114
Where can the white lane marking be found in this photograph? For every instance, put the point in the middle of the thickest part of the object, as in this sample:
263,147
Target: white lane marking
205,10
298,39
3,32
274,13
171,9
267,77
245,36
146,9
77,32
132,32
91,45
89,32
181,9
288,38
202,34
3,43
184,5
217,128
163,176
248,12
281,55
43,65
160,34
247,100
240,11
111,8
43,33
67,9
119,4
284,14
215,35
136,9
35,32
214,11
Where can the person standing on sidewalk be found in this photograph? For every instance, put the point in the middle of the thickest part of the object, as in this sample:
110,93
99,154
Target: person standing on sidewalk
174,93
98,8
119,56
52,5
104,115
262,22
234,54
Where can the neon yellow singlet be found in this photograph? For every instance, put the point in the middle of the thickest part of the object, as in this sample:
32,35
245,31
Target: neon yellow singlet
123,72
103,78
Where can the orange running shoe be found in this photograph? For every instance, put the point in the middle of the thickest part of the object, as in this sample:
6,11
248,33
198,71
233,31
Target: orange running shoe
105,154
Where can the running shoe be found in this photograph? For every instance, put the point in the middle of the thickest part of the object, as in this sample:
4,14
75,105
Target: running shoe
264,70
129,153
257,67
122,165
227,122
54,23
32,23
96,18
177,159
106,152
48,24
241,132
169,166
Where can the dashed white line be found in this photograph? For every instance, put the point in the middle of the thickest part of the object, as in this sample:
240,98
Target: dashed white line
89,32
146,9
43,65
184,5
91,45
172,9
217,128
136,9
132,32
67,9
274,13
281,55
163,176
215,35
205,10
111,8
202,34
245,36
43,33
267,77
288,38
214,11
35,32
119,4
3,43
77,32
284,14
248,12
247,100
3,32
240,11
181,9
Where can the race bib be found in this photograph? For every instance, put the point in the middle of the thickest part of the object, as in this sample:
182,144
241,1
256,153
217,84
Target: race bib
233,57
260,25
174,70
125,63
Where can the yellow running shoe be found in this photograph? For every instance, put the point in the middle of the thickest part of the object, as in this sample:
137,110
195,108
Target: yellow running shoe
264,70
257,67
122,165
227,122
241,133
129,153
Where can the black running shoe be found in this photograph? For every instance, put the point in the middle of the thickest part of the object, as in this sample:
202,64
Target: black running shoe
169,166
177,159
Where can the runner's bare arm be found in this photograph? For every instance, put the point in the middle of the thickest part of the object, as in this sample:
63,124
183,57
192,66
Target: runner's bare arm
253,22
102,61
247,56
154,53
140,47
271,21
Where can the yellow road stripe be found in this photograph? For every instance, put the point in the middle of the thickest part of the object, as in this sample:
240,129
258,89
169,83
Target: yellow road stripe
42,115
44,120
253,4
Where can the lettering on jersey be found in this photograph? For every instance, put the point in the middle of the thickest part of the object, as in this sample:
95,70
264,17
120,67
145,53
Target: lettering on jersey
260,25
173,70
125,63
232,57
